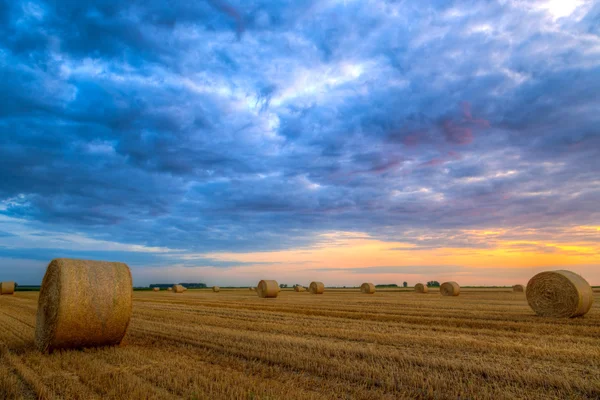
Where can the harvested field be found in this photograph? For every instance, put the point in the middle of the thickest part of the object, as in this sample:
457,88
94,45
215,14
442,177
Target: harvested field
484,344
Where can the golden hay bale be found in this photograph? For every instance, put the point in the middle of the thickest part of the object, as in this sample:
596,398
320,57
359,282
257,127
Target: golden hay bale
316,288
267,289
518,288
156,289
7,287
450,289
83,303
367,288
178,289
300,288
170,289
420,288
559,294
216,289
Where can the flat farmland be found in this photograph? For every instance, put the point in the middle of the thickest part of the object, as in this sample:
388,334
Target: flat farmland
483,344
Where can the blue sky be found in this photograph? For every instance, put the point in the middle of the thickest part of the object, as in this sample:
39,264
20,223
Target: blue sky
228,140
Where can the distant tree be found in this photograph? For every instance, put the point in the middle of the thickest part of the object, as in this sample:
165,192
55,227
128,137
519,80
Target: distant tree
433,284
405,284
387,285
283,285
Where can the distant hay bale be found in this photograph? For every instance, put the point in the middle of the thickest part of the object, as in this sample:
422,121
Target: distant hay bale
170,289
7,287
316,288
156,289
83,303
559,294
300,288
367,288
518,288
267,289
450,289
420,288
178,289
216,289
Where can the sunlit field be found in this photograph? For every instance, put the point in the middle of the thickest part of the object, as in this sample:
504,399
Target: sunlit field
482,344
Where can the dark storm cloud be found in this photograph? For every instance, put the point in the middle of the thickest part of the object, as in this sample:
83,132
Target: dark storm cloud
240,126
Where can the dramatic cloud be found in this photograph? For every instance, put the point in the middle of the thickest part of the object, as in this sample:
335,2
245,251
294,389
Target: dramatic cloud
228,126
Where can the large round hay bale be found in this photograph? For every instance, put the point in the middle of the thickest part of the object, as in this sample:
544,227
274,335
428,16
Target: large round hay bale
178,289
450,289
216,289
300,288
518,288
156,289
7,287
83,303
316,288
267,289
559,294
420,288
367,288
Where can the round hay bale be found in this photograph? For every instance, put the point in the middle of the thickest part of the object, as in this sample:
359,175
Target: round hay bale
450,289
316,288
267,289
300,288
7,287
178,289
367,288
518,288
169,289
216,289
83,303
156,289
421,288
559,294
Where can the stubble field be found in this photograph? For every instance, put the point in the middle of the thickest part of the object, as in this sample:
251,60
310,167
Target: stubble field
483,344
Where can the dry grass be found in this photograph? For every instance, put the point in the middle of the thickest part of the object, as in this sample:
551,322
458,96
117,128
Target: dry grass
483,344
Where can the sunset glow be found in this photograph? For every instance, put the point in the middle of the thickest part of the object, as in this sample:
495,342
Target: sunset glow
223,142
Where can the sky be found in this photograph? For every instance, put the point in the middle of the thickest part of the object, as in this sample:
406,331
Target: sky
228,141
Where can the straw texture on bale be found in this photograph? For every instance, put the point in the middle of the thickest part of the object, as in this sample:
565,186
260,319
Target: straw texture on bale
450,289
178,289
559,294
267,289
216,289
156,289
83,303
316,288
518,288
7,287
367,288
420,288
300,288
